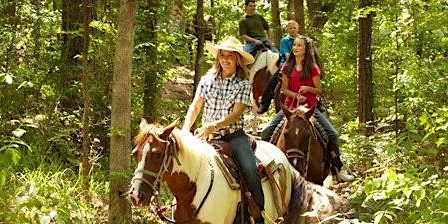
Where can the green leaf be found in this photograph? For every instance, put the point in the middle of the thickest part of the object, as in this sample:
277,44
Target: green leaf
14,154
8,146
440,141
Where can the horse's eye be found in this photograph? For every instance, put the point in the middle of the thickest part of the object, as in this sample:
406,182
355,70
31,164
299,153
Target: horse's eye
156,155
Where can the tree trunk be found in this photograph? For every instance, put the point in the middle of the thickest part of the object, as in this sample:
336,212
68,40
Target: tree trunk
299,14
365,73
37,29
318,12
85,95
276,26
9,12
152,80
200,33
11,19
72,20
290,10
119,160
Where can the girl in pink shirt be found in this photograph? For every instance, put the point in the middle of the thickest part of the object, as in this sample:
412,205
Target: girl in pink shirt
301,85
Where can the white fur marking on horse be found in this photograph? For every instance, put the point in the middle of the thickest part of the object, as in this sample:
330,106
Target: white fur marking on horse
265,59
139,175
194,156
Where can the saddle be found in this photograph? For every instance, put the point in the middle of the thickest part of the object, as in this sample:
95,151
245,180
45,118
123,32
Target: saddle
226,162
232,174
321,133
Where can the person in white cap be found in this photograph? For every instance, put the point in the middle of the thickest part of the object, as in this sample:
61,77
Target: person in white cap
224,94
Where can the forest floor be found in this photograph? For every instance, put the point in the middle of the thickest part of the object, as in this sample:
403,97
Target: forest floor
181,88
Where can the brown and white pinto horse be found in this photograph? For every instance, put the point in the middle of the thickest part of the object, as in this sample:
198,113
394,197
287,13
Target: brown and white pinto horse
260,72
188,166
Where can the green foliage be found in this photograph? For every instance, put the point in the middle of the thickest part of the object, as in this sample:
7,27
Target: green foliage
56,196
405,197
398,184
401,169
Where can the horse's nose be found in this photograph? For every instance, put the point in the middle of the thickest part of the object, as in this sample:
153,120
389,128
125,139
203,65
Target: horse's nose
136,196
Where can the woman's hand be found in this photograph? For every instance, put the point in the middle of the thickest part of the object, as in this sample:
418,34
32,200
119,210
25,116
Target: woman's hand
302,99
205,131
305,89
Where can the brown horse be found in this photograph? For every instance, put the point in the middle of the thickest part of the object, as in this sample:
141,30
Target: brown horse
203,195
299,140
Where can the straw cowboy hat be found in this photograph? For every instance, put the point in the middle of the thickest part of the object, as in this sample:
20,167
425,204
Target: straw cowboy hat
231,44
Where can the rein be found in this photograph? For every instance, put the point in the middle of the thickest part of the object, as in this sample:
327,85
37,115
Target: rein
310,138
170,153
307,156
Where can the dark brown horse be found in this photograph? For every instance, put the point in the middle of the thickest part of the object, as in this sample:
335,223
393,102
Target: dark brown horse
203,195
299,140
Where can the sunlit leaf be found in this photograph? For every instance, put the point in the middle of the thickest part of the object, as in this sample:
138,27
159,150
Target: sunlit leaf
379,196
18,132
8,79
440,141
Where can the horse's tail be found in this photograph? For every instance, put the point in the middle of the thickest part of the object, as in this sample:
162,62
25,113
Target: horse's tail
300,195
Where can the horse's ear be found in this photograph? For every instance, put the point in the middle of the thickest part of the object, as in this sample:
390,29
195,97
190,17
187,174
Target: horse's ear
168,129
143,123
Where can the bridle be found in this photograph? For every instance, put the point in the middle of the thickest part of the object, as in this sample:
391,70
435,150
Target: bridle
171,153
310,138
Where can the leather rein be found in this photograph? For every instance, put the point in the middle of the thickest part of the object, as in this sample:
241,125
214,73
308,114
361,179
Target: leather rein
310,138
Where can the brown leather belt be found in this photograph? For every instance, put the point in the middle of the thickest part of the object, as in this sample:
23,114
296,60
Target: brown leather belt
223,132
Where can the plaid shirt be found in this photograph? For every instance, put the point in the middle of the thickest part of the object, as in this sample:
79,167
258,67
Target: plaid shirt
221,95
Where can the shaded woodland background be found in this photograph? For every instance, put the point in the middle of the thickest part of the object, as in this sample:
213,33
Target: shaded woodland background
66,67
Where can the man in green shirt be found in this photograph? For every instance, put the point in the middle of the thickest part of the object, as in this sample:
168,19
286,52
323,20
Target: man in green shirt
254,29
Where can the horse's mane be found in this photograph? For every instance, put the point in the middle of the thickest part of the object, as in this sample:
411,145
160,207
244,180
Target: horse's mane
194,153
140,138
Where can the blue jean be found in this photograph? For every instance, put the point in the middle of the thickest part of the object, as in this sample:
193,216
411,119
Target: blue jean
250,46
333,141
245,158
271,125
328,127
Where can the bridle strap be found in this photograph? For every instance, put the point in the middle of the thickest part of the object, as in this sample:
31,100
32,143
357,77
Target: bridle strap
170,153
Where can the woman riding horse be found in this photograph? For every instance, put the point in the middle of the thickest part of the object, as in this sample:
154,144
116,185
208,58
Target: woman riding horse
301,85
224,93
203,195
